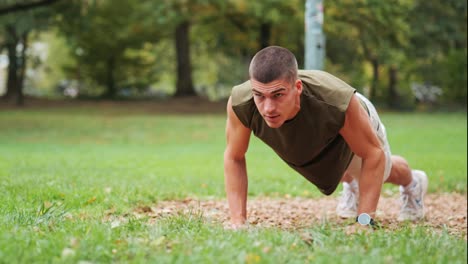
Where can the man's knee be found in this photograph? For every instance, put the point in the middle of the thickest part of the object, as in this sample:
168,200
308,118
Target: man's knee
399,166
398,161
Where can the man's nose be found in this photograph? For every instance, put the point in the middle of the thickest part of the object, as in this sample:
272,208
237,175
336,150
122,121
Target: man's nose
269,106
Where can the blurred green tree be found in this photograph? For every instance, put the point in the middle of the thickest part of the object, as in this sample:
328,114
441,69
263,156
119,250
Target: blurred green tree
243,27
106,37
403,41
18,20
10,6
367,30
200,45
179,17
437,54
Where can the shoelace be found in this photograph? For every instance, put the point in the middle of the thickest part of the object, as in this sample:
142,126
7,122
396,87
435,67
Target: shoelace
405,199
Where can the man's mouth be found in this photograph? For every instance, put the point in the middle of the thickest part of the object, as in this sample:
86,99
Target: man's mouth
271,117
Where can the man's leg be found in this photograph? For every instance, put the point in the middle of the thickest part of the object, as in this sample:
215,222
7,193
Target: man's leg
400,173
413,187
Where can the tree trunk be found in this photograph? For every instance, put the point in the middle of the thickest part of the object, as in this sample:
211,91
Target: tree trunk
22,71
12,79
375,78
245,58
184,86
110,79
301,49
392,91
265,33
375,66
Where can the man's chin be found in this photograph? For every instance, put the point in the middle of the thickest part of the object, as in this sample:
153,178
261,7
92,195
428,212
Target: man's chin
274,124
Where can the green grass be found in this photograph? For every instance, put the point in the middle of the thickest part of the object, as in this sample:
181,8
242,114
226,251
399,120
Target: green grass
63,172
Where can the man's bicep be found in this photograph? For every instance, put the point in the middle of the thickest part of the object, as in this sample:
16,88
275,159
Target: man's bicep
237,135
357,130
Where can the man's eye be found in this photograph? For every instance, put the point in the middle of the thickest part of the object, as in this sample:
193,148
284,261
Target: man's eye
278,95
258,95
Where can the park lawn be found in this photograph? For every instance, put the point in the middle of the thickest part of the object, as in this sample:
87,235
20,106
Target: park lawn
65,171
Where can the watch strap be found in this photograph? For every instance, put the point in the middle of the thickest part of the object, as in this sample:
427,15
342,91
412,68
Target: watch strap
372,223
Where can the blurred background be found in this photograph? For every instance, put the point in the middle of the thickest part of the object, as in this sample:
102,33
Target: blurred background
402,54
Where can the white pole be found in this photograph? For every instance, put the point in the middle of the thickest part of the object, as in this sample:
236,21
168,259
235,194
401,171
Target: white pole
314,37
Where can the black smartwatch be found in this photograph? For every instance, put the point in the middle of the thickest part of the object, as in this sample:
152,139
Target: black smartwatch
366,219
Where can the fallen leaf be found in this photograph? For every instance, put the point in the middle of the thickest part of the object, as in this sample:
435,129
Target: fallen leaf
158,241
91,200
252,258
68,252
115,224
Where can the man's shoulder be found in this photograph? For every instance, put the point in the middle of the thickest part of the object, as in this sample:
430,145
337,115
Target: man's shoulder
241,93
318,77
326,87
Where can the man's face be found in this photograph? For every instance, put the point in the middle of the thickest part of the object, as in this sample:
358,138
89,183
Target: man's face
277,101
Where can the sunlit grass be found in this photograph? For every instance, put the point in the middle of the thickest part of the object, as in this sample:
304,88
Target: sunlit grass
65,172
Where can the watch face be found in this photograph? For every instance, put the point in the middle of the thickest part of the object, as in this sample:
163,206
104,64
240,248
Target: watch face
364,219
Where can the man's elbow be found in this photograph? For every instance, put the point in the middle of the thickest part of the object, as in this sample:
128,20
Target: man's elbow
377,155
230,157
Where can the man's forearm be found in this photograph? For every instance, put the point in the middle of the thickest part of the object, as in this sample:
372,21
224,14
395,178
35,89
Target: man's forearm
235,178
370,183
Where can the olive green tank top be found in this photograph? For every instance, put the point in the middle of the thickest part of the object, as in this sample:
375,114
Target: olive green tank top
309,143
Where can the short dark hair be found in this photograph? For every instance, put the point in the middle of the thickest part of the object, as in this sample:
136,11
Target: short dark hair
273,63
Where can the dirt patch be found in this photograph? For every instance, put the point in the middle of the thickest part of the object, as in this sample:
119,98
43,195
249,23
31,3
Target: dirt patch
443,212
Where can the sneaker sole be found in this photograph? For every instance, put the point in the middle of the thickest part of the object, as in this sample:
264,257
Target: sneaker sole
347,214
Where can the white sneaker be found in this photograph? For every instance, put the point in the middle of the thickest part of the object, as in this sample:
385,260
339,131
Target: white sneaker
412,197
348,203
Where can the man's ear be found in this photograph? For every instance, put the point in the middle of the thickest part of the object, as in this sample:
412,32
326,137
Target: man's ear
298,86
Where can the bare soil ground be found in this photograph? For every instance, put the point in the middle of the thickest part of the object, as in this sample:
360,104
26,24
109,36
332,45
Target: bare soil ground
443,212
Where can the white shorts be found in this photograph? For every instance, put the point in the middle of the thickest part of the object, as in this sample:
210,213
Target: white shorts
354,167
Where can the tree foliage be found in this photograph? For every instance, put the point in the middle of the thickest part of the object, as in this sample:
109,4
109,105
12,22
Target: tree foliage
202,45
9,7
438,46
108,41
370,31
16,30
